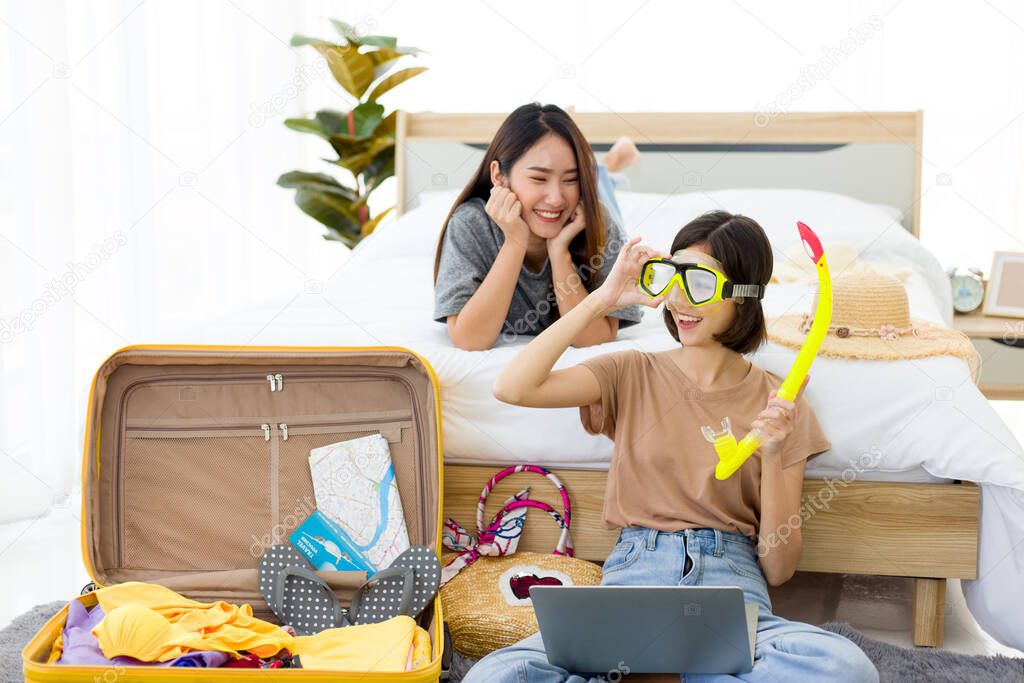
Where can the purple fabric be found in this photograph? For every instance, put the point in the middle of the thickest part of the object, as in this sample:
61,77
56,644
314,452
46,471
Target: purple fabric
81,647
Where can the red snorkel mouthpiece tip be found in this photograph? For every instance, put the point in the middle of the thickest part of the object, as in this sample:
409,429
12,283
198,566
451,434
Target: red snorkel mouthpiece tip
812,245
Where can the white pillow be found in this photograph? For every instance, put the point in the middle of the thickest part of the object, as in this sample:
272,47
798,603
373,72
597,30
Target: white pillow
873,228
412,234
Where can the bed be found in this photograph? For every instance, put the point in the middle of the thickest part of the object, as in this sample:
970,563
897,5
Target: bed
898,495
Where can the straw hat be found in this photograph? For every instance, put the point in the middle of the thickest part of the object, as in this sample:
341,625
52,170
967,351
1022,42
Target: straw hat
871,320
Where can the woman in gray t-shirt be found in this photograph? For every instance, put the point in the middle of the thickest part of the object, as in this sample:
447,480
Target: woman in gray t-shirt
528,238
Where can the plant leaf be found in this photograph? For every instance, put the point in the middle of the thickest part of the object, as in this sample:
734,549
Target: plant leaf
357,161
371,225
388,125
321,182
395,79
362,121
351,35
346,30
333,121
307,126
345,146
379,41
383,60
351,69
299,40
331,211
378,170
384,55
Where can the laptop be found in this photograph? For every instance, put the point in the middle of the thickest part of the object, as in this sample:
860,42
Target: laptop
646,629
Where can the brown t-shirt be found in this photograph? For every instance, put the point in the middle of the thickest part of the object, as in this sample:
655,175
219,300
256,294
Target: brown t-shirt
662,470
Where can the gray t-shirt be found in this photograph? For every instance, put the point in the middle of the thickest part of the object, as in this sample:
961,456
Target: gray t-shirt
471,245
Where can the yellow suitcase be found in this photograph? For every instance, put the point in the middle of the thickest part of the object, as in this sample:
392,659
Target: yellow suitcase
195,460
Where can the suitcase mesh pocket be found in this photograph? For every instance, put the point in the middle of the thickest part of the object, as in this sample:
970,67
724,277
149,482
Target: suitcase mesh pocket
195,502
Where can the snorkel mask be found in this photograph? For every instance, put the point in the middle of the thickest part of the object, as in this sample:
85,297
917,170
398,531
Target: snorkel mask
731,455
696,275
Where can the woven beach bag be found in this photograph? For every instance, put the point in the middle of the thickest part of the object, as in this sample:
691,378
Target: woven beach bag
487,602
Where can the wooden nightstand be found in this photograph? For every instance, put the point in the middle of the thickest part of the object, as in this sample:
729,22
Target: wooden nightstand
1002,366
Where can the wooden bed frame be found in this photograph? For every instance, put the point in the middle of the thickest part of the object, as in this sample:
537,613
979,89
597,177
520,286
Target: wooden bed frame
928,532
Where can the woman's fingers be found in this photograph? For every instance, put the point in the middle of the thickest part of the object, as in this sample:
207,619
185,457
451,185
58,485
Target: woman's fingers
774,421
499,199
631,244
495,200
775,400
626,255
508,201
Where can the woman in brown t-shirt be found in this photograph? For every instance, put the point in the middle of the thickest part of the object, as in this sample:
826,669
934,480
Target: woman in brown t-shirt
680,525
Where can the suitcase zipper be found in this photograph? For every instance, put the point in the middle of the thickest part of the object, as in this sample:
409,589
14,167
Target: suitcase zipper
340,426
278,380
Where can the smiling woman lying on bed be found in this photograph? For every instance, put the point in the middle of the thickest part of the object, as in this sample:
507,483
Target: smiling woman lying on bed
528,237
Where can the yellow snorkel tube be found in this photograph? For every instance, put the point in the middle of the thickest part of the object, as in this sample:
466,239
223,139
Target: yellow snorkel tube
731,455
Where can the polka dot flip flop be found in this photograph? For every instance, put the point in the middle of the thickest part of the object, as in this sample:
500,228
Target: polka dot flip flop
295,593
405,587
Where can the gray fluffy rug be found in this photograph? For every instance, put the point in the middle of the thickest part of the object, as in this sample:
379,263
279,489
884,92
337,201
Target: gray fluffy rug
895,664
15,637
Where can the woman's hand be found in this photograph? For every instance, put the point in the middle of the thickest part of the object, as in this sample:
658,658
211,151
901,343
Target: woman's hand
505,209
775,422
559,244
620,288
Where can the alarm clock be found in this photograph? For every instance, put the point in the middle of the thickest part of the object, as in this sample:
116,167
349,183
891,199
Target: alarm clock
968,289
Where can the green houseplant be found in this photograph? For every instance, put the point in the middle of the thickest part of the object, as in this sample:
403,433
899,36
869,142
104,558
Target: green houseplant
363,138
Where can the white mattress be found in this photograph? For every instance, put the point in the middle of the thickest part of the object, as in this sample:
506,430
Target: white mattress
920,420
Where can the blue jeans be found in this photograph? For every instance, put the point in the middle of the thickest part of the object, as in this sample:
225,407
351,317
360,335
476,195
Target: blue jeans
785,650
606,184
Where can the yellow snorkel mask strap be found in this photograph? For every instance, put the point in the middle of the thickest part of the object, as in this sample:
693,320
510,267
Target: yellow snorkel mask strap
731,455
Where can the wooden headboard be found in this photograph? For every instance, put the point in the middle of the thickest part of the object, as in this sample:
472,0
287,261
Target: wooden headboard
873,156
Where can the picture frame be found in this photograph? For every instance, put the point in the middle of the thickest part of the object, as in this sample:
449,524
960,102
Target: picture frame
1004,295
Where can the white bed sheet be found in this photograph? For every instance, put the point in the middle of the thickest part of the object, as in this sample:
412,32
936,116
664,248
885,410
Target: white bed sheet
908,420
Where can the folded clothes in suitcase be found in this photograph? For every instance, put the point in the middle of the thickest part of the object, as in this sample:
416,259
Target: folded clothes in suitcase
196,460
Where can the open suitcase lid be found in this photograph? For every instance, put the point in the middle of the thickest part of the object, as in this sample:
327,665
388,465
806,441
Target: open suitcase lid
196,457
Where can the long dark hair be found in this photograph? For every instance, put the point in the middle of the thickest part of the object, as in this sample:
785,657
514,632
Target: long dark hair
741,246
518,133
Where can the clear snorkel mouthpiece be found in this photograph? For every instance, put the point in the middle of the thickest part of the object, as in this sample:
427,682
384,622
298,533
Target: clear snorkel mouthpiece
713,437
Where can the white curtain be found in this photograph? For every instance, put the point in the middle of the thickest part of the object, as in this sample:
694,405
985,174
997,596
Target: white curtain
140,141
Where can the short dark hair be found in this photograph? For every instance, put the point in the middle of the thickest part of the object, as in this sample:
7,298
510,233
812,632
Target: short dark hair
743,249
